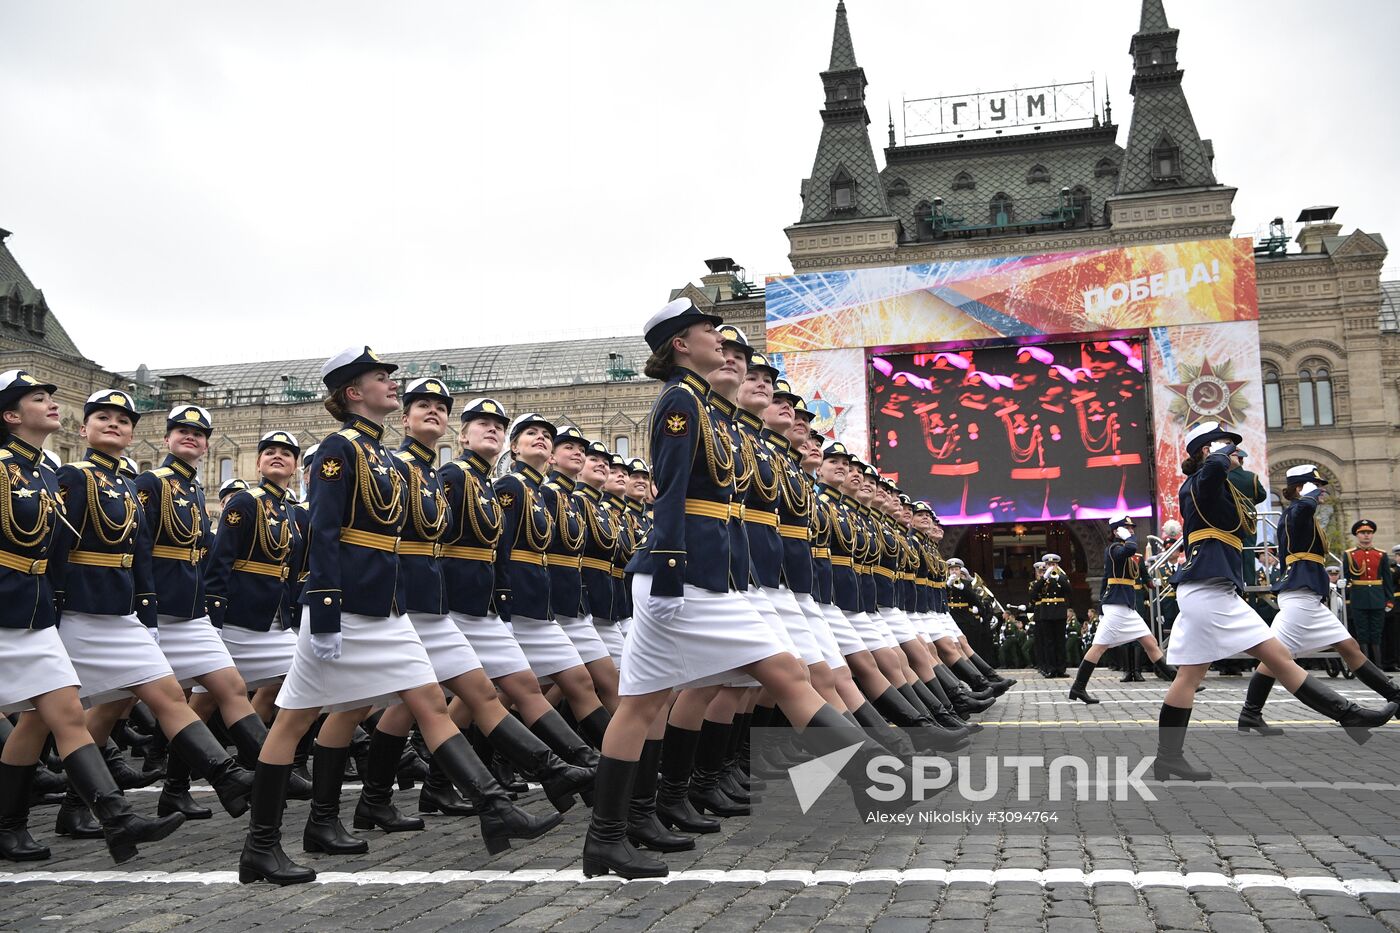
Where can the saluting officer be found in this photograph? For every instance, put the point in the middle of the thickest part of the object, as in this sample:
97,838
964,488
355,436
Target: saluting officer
1305,621
37,680
1215,622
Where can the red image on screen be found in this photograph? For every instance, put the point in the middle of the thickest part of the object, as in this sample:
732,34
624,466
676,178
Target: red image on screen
1049,432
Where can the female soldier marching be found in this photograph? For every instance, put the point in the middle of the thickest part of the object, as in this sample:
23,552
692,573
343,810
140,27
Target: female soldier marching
37,679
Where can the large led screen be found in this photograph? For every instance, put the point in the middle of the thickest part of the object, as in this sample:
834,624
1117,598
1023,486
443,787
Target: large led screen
1016,433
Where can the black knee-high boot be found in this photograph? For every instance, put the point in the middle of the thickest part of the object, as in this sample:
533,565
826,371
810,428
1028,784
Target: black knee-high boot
175,794
1358,721
439,796
605,847
827,732
324,832
593,726
376,805
673,806
565,742
733,780
210,760
16,844
1252,714
704,790
896,741
1079,689
534,759
992,674
248,735
964,701
262,858
977,684
1171,738
127,777
123,829
1373,677
501,820
643,827
947,715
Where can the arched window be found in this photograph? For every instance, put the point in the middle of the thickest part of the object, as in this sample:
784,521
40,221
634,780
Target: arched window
1105,166
1315,397
444,453
622,446
923,220
225,469
962,181
1273,400
1038,174
1323,383
143,466
1001,210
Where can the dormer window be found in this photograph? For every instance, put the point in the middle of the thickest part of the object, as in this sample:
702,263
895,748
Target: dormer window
843,190
1166,159
1105,166
1038,174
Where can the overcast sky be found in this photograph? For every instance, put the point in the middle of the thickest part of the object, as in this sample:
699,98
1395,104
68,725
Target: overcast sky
197,182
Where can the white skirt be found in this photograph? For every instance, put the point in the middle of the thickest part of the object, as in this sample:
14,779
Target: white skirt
848,640
613,637
192,647
761,599
795,623
584,635
899,624
448,650
32,663
821,632
706,643
873,632
948,627
1304,623
379,657
493,642
1119,625
1214,623
261,657
110,654
546,646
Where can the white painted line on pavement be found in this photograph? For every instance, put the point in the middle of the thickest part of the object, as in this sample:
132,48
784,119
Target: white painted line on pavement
1196,879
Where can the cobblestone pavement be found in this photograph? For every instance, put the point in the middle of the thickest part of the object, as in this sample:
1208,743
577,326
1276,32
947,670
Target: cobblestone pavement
442,878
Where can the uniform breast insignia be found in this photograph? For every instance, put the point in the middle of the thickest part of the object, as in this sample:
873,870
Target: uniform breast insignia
233,518
506,499
677,425
144,496
332,468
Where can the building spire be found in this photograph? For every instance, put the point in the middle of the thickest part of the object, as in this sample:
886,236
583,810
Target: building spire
845,182
891,110
1163,148
843,53
1154,18
1107,105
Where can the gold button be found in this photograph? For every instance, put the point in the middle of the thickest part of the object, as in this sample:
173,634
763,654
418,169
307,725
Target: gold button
145,602
217,604
327,600
671,562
